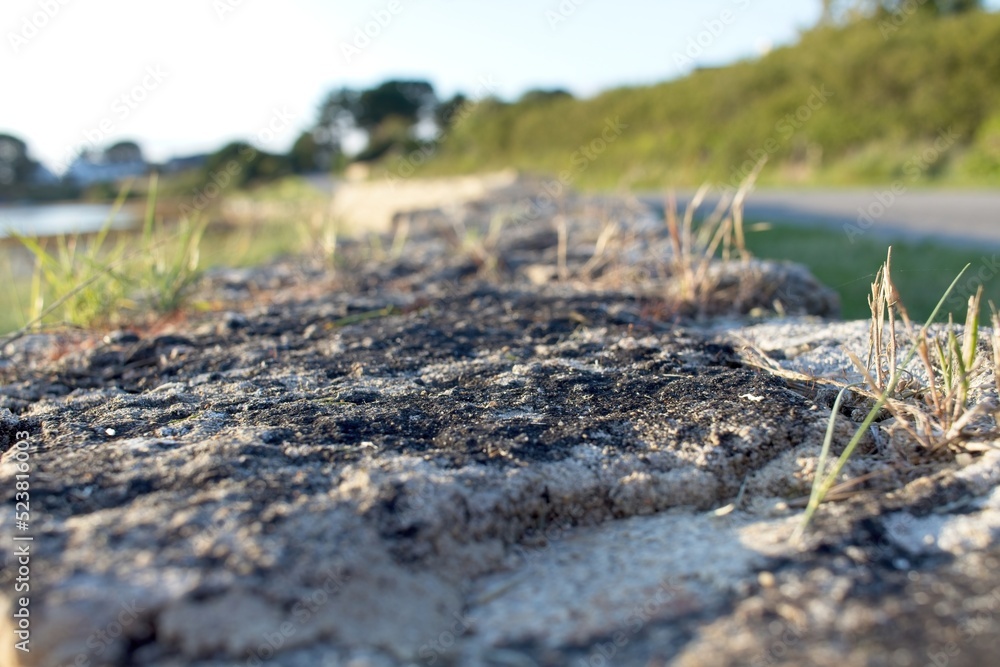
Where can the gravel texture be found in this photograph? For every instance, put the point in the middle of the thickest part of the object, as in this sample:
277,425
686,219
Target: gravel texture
491,448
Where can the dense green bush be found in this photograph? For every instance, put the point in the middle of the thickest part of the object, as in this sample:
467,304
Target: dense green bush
238,164
983,159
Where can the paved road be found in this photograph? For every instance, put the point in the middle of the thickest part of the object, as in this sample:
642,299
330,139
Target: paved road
962,217
958,217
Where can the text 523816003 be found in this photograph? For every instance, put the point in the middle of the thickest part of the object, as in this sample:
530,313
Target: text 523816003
22,541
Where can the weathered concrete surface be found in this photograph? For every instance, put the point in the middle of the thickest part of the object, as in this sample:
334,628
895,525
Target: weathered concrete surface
456,456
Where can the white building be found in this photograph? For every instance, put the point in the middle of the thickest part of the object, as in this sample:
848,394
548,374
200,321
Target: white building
86,171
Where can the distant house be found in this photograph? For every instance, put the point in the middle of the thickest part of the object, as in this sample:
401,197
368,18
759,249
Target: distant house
86,171
120,161
43,176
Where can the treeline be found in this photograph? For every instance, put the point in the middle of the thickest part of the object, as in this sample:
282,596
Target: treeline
880,90
883,96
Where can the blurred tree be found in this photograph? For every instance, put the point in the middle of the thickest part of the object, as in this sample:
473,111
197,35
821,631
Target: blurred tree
392,132
16,167
406,100
983,160
337,117
538,95
307,156
24,179
123,152
935,7
446,113
872,105
231,164
238,164
835,11
387,113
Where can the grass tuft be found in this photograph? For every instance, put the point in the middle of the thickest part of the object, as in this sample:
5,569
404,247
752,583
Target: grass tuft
89,283
78,278
695,247
169,264
933,413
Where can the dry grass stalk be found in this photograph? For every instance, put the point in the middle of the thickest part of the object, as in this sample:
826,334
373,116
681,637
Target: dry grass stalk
903,401
608,232
935,413
481,249
696,247
563,247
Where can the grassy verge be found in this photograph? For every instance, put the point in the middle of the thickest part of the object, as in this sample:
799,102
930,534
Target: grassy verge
114,277
15,298
844,105
220,246
921,270
249,246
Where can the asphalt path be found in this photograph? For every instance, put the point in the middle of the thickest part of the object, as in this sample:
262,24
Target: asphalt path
956,217
968,218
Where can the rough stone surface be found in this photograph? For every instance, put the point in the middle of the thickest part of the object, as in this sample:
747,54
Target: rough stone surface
491,448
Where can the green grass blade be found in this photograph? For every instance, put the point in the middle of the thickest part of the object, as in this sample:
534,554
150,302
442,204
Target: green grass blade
814,498
825,484
147,225
115,210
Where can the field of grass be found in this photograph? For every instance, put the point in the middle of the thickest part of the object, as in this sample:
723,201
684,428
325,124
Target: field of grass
921,270
16,295
135,273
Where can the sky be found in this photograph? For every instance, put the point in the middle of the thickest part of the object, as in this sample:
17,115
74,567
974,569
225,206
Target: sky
186,76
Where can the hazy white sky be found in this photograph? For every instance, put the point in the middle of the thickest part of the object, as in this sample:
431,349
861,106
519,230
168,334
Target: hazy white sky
186,75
